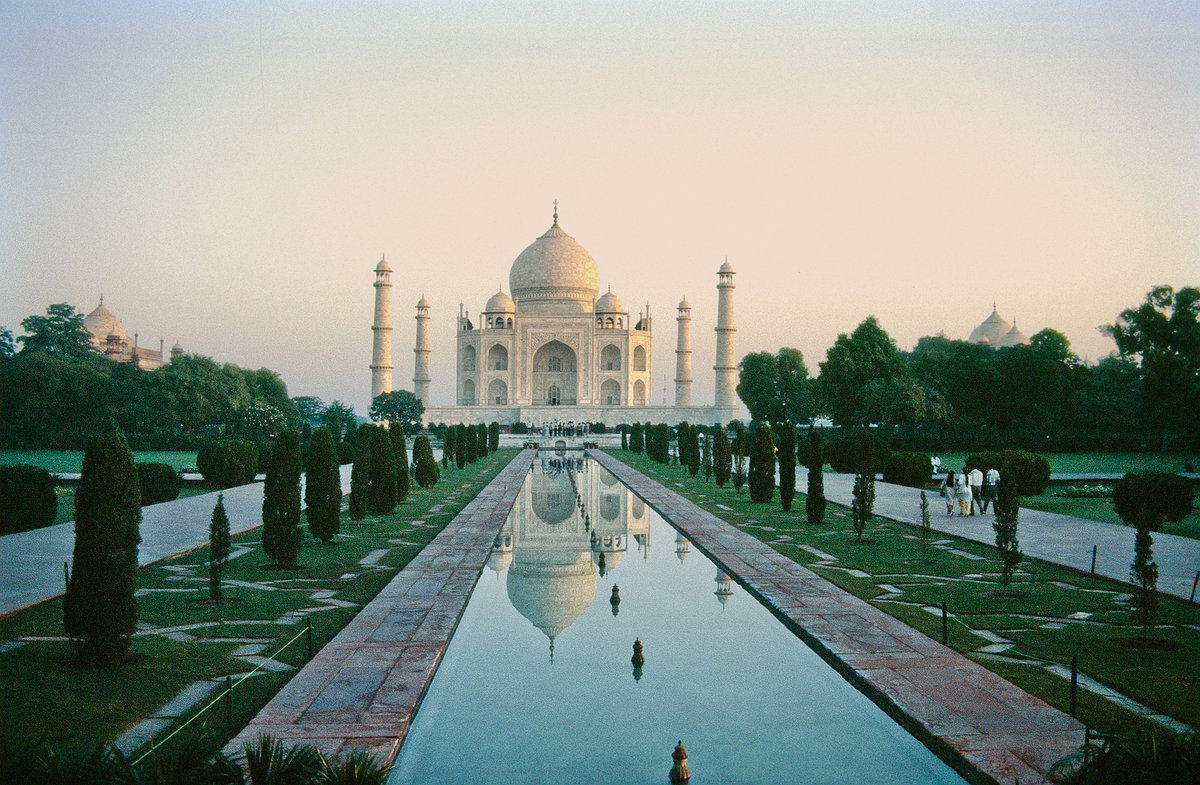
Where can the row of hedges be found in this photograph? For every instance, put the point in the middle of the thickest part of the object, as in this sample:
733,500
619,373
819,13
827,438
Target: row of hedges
1029,470
27,498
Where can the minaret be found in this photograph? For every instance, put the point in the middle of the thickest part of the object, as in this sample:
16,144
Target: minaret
421,350
683,356
726,366
381,352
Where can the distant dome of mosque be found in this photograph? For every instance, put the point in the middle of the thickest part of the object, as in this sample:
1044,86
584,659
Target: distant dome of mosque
610,303
500,303
1013,337
991,330
101,323
553,589
555,273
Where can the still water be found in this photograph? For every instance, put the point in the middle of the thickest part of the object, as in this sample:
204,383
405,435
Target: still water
537,685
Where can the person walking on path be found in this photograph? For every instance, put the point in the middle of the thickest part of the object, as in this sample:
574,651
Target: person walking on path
989,488
947,491
976,479
962,490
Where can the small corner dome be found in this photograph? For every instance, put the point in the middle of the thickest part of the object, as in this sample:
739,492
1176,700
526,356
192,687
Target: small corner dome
500,303
684,304
382,267
422,303
726,268
609,303
177,347
1014,337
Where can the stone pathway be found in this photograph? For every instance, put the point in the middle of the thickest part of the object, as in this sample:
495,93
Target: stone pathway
360,691
1046,536
31,563
971,717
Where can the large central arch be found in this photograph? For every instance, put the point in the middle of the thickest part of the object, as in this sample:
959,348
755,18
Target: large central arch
555,366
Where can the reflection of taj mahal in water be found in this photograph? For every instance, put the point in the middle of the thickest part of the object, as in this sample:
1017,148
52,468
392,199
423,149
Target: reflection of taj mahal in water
572,523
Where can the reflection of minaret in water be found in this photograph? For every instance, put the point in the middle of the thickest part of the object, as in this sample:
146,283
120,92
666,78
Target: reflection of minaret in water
724,588
682,547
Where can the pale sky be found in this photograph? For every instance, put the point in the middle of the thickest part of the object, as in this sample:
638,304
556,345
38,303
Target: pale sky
228,174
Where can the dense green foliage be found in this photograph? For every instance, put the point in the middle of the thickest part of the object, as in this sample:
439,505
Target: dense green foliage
1160,757
722,458
400,450
861,451
449,446
1008,508
360,474
460,445
399,407
282,534
227,463
637,438
159,483
100,612
814,461
1030,471
27,498
218,547
1151,498
862,505
908,468
787,466
494,436
762,464
322,487
426,473
776,388
382,492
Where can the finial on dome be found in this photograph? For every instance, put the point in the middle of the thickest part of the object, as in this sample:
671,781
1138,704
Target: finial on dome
556,212
102,298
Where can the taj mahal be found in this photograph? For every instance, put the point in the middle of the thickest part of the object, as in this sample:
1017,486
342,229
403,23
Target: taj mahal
555,349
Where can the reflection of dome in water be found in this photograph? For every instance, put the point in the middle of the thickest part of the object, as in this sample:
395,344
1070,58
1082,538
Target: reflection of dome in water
552,590
500,560
553,497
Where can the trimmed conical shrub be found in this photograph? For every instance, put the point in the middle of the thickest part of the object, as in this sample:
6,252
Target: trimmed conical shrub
401,452
426,473
99,610
761,478
282,534
323,487
814,461
787,466
449,446
360,475
722,458
218,547
382,494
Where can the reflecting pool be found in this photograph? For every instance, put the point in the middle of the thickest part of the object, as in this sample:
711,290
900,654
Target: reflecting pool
537,684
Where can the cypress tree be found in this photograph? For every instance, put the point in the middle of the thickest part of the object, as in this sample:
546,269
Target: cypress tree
494,437
381,489
400,448
282,534
739,455
218,548
787,466
722,458
99,610
1008,508
762,465
360,475
472,446
481,441
814,505
449,446
637,439
863,503
426,472
624,438
693,451
322,487
460,445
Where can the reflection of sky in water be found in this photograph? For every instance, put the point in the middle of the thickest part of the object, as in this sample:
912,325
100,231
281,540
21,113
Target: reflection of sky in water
751,703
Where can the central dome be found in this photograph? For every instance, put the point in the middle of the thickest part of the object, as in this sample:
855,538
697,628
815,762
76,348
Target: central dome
555,273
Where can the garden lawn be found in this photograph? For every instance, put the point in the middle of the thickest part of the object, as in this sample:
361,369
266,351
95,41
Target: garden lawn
55,461
1097,462
1065,613
1102,510
47,700
66,499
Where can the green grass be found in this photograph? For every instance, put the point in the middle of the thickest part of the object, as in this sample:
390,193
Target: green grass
1105,462
1168,682
48,700
66,499
72,460
1102,510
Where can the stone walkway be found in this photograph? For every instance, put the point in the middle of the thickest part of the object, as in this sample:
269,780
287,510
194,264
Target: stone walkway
1046,536
360,690
971,717
31,563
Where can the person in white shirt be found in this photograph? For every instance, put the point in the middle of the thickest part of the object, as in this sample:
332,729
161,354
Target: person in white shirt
976,478
989,488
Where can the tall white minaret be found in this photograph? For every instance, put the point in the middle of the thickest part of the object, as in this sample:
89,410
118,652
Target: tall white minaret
421,350
726,365
683,356
381,352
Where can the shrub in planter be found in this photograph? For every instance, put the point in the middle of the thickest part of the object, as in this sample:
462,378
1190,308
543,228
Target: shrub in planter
227,462
1028,470
908,468
27,498
159,483
1151,498
860,453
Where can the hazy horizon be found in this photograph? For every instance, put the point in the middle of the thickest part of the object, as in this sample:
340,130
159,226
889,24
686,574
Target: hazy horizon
229,176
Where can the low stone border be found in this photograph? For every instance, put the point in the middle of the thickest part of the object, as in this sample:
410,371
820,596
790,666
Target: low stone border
361,690
988,729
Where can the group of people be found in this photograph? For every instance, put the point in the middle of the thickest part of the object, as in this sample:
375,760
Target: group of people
569,428
969,490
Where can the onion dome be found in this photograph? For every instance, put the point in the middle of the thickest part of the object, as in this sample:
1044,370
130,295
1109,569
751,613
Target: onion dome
726,269
684,305
500,303
555,274
422,303
610,303
991,330
382,267
101,323
1013,337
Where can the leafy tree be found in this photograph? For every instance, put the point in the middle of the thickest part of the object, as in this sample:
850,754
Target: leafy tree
60,333
360,474
776,388
382,494
282,534
762,465
266,386
309,408
787,466
48,399
854,360
398,406
722,457
1163,334
8,346
814,504
902,400
426,473
218,548
863,503
339,419
262,420
1008,508
965,375
194,391
401,452
100,612
1152,498
323,487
